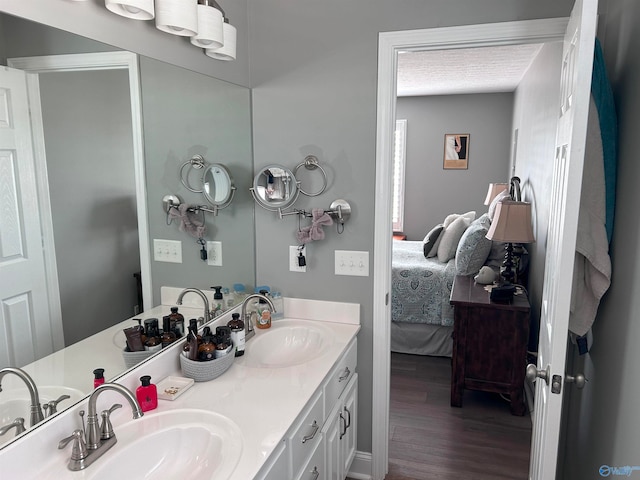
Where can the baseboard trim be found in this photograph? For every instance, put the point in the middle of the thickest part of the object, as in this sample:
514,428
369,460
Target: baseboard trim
361,466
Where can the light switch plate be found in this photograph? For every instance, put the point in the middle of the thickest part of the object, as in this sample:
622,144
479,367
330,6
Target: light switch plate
294,252
214,254
167,250
349,262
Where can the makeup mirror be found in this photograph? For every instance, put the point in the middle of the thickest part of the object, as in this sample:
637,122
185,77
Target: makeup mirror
217,185
275,188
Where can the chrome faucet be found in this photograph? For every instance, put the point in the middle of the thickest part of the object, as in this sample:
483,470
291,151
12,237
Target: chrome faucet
90,445
247,319
36,415
207,312
18,424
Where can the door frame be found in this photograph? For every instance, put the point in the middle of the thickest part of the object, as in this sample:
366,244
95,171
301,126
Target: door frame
389,44
90,62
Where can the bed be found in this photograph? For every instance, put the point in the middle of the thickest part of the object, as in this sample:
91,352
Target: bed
421,315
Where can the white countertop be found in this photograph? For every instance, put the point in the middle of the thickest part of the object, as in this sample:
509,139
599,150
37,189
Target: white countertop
262,402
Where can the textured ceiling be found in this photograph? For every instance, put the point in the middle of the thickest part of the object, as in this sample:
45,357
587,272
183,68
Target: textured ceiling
468,70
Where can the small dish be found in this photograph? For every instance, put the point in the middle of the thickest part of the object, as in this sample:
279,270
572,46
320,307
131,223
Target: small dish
171,388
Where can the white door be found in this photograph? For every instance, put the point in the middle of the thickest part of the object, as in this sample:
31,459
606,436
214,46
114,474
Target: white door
26,331
563,223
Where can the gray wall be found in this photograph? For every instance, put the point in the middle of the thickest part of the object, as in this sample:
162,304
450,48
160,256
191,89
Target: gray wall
313,73
604,426
87,128
432,193
91,19
187,113
535,118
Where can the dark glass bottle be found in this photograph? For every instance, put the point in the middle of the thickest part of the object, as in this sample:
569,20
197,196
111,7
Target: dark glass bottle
237,333
177,322
168,337
207,349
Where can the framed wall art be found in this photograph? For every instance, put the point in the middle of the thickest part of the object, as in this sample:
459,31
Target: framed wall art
456,151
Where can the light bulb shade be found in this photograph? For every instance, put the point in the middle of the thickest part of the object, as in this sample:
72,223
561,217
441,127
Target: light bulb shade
512,223
228,51
494,190
136,9
210,30
178,17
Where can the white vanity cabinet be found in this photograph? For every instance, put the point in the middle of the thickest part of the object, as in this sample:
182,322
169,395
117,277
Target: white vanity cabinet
321,443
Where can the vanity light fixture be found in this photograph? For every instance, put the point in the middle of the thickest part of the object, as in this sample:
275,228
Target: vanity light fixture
228,51
210,25
135,9
178,17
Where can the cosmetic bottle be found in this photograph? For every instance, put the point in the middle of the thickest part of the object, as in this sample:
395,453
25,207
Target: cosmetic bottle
239,293
98,377
228,298
193,344
222,348
278,303
218,304
147,394
264,319
168,337
153,343
237,333
207,349
177,322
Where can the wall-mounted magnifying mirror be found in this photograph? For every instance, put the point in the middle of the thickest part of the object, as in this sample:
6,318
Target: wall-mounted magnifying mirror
217,185
275,188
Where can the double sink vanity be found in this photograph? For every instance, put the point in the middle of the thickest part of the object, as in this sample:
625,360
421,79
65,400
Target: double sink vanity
287,409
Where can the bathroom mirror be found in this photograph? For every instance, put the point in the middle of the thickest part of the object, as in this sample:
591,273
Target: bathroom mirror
217,185
275,188
173,107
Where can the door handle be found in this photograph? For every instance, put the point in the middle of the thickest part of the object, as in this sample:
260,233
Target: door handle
579,380
533,373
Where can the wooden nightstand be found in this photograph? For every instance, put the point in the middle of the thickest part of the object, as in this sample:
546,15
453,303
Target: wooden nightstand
489,344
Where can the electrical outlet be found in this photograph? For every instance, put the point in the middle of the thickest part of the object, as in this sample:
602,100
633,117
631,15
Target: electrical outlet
214,254
167,251
352,263
294,253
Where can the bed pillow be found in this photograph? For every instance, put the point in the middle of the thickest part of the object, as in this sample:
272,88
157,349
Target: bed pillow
451,237
450,218
474,247
504,195
431,241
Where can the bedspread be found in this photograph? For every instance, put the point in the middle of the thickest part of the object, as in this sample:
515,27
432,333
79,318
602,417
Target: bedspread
420,287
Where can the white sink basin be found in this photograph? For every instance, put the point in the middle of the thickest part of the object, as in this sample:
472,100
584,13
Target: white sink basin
16,403
287,343
175,444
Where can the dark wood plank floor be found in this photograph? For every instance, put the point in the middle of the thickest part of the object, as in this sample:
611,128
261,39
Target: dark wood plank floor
429,439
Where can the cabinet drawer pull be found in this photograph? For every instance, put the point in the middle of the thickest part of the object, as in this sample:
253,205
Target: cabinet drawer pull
344,425
315,473
349,418
346,374
315,427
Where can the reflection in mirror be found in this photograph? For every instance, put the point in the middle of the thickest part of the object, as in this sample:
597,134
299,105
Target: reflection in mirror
218,187
183,114
275,188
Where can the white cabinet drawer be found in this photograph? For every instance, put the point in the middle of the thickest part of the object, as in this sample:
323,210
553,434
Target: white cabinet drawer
305,435
314,468
340,376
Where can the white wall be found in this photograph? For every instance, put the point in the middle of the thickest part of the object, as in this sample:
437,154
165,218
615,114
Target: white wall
313,74
432,193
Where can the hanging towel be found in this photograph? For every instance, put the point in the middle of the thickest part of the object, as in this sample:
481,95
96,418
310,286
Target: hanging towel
190,222
314,231
592,270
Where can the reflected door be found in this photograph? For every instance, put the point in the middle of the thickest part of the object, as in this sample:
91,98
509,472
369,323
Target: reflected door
28,330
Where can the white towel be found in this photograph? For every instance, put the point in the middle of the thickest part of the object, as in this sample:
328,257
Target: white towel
592,270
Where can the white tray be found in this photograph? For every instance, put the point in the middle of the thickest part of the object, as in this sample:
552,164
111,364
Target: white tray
171,388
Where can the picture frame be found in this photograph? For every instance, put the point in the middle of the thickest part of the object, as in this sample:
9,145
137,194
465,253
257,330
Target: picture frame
456,151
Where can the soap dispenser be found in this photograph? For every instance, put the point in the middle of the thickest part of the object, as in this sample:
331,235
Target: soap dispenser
147,394
218,303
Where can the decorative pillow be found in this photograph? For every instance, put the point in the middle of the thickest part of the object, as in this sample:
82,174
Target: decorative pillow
431,240
450,218
451,238
473,248
504,195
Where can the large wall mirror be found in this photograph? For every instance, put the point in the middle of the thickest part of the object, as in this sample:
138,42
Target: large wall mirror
91,182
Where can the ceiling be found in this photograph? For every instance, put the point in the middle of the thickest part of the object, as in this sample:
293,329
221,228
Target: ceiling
467,70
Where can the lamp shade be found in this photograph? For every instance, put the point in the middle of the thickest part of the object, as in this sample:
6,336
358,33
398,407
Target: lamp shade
494,190
210,31
178,17
228,51
136,9
512,223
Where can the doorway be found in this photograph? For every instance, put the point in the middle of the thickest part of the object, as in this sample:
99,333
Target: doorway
390,43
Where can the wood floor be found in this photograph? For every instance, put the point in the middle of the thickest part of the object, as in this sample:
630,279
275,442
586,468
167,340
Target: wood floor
429,439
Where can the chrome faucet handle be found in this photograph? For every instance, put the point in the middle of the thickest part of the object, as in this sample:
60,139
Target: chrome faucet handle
53,405
79,450
106,431
18,424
